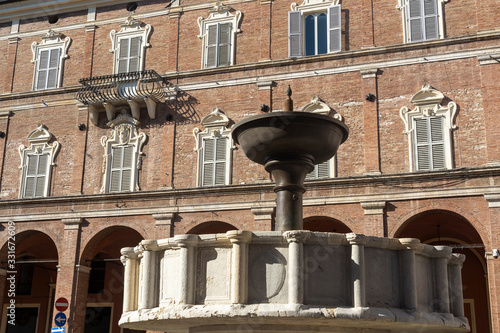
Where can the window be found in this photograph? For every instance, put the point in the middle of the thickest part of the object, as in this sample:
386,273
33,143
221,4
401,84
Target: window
48,58
37,161
323,170
214,146
429,128
422,19
129,46
218,32
314,28
122,159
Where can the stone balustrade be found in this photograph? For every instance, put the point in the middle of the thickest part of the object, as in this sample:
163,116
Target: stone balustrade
292,281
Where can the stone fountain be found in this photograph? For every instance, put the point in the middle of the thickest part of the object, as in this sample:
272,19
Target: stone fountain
291,280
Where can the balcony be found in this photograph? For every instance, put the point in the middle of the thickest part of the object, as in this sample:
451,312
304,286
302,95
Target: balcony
132,90
292,281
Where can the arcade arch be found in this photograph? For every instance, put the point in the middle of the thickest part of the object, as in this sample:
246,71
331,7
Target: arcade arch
441,227
325,224
211,227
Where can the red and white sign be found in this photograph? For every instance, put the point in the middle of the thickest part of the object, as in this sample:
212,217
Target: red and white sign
62,304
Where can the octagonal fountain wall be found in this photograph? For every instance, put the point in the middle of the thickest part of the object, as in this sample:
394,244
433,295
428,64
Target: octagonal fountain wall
292,281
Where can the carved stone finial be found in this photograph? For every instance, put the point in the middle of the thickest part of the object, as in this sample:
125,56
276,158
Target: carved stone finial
288,106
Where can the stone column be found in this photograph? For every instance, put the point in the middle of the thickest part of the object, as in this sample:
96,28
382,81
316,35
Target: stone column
408,267
79,148
456,294
239,265
187,244
174,16
266,7
358,268
375,224
4,126
370,121
489,66
8,70
66,273
296,239
442,295
130,260
149,282
81,293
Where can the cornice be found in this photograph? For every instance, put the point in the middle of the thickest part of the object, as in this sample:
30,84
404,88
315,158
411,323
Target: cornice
396,189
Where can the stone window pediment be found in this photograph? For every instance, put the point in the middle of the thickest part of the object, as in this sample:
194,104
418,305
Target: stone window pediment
37,161
48,57
429,127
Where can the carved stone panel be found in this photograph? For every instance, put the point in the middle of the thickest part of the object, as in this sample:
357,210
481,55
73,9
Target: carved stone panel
213,276
382,278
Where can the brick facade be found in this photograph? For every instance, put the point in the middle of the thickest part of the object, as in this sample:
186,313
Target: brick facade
373,192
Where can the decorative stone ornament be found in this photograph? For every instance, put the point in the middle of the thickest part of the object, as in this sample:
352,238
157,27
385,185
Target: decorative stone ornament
124,134
39,146
220,12
312,5
49,40
318,106
215,126
131,26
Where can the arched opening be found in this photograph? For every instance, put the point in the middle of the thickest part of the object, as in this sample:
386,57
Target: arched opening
325,224
36,260
212,227
448,228
105,280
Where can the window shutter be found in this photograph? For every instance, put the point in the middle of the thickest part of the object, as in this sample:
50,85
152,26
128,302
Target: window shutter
127,167
43,65
43,161
320,171
437,141
334,29
415,20
211,60
208,162
122,160
431,24
135,54
30,180
36,175
53,68
220,165
224,44
422,144
123,55
294,34
115,172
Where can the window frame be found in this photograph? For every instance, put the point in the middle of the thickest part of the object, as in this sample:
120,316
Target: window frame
124,133
313,7
219,14
428,105
215,127
50,42
131,28
38,139
404,7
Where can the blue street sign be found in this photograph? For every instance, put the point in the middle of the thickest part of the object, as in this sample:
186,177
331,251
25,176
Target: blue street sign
60,319
57,330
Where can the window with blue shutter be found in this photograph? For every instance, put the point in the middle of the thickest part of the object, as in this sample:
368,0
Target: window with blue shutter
313,33
430,143
214,161
47,72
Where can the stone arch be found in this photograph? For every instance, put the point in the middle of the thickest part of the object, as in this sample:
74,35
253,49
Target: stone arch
445,227
22,236
325,224
211,227
430,209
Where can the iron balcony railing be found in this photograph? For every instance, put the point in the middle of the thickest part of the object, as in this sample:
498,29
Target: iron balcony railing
120,87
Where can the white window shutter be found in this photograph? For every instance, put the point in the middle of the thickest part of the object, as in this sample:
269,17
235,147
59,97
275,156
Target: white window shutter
123,55
415,20
334,29
422,144
437,141
53,68
320,171
135,54
120,177
294,34
43,66
214,161
41,178
36,175
430,20
224,44
208,162
220,162
211,57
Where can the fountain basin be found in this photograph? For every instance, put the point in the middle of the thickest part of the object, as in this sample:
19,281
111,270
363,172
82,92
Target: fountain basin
288,135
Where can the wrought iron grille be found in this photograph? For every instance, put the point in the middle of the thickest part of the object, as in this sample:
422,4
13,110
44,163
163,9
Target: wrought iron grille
119,87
